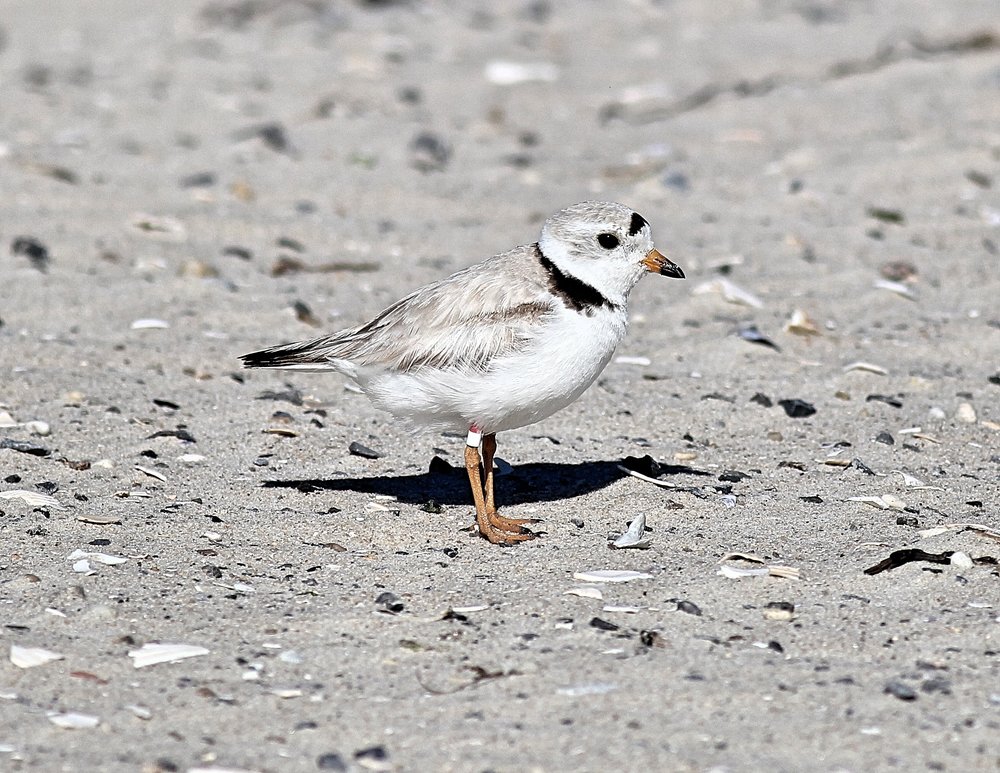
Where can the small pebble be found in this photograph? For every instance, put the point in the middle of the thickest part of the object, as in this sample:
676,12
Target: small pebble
357,449
966,413
902,691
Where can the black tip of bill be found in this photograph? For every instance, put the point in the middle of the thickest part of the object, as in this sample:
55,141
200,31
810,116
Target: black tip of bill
672,270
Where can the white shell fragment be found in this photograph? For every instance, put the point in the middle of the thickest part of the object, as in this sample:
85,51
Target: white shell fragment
150,324
895,287
140,712
734,572
626,359
73,721
611,575
648,479
32,498
961,560
633,538
153,654
966,413
595,688
101,558
868,367
801,324
586,592
504,73
29,657
884,502
730,292
150,472
191,458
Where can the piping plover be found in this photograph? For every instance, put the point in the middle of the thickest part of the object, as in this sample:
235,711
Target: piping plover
499,345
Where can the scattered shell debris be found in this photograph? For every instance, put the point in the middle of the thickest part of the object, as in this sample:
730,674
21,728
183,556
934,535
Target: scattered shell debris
100,558
883,502
867,367
30,657
150,324
801,324
900,289
71,720
586,592
730,292
760,568
33,498
611,575
153,654
506,73
626,359
633,538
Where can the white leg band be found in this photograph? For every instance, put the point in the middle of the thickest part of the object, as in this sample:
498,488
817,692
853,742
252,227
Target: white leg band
475,439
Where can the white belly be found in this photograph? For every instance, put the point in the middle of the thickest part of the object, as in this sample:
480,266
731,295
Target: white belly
517,390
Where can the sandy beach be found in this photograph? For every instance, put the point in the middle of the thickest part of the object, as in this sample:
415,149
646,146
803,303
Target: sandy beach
813,414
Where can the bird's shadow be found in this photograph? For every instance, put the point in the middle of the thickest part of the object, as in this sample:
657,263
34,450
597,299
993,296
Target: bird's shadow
524,484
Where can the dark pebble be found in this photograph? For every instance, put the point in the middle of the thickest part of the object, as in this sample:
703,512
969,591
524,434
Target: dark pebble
293,396
733,476
761,399
886,438
180,433
603,625
198,180
161,403
372,753
813,499
857,464
430,506
907,520
886,215
331,761
261,461
429,152
782,606
47,487
272,134
796,408
750,333
233,251
450,552
775,646
357,449
994,379
893,401
292,244
388,601
902,691
24,447
689,607
936,684
676,181
36,252
15,478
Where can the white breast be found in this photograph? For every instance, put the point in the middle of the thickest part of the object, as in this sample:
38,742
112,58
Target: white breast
518,390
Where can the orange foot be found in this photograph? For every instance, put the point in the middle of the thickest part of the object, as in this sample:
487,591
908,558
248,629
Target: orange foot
502,537
514,525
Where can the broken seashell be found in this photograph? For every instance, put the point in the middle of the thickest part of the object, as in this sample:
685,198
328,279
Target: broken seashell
29,657
730,292
72,720
611,575
153,654
633,538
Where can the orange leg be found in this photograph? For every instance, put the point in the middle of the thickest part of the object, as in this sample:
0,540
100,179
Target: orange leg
487,530
506,524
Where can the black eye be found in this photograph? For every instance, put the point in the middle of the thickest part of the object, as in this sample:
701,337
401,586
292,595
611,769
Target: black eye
607,241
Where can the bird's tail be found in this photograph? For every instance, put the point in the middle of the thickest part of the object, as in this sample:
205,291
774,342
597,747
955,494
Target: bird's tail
303,355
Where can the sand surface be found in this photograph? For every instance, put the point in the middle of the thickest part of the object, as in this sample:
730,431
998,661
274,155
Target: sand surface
183,162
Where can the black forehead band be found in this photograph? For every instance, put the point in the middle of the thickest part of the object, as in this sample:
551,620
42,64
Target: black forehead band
638,221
